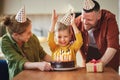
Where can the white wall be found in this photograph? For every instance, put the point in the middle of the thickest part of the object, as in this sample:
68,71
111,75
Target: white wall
119,21
42,21
40,10
41,6
119,14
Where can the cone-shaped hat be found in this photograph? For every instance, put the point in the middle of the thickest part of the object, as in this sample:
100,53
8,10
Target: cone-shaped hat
88,5
21,16
66,18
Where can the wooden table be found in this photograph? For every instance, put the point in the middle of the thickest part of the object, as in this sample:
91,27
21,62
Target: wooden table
78,74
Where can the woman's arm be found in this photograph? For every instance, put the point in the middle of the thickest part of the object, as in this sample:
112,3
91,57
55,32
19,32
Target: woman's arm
48,58
43,66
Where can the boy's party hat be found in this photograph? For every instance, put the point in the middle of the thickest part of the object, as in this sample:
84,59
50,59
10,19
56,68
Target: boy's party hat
66,20
21,16
88,5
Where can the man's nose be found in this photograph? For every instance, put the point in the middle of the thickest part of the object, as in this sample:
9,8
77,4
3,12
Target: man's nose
85,21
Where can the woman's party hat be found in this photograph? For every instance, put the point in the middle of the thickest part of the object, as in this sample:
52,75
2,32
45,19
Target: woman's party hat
21,16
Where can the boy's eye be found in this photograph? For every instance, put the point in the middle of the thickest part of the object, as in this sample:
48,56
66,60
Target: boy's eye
59,36
65,36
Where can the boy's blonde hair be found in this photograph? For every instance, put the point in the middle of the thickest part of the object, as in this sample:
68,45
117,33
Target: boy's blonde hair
60,26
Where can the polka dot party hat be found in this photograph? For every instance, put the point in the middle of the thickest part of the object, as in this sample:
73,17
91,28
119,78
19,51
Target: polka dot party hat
88,5
21,16
66,20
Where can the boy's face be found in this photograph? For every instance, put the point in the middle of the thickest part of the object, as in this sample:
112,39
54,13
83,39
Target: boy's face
63,37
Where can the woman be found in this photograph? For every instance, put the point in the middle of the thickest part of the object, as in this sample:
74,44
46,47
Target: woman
22,48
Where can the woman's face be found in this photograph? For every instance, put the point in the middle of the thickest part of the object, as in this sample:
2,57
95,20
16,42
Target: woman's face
63,37
24,37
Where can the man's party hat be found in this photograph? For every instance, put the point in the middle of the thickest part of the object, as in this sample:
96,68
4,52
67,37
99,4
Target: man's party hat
88,5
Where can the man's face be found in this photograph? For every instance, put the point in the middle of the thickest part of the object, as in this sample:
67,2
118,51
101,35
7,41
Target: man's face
89,19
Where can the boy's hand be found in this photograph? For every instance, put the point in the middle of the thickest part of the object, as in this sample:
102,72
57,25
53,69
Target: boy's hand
54,18
73,20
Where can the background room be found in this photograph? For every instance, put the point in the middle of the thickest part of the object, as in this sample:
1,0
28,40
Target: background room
39,11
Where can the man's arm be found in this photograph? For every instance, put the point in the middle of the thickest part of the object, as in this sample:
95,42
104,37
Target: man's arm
109,54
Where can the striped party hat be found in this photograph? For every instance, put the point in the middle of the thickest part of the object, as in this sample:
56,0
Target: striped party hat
88,5
21,16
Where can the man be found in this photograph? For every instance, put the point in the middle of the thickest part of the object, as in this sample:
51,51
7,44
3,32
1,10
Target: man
100,34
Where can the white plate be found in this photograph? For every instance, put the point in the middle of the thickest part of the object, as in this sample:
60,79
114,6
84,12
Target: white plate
62,69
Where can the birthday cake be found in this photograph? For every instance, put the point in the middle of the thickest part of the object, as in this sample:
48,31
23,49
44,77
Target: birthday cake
63,59
65,64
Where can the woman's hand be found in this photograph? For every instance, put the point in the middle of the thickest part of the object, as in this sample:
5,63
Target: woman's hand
44,66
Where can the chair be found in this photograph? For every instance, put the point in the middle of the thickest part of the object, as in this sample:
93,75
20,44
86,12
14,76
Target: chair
4,74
